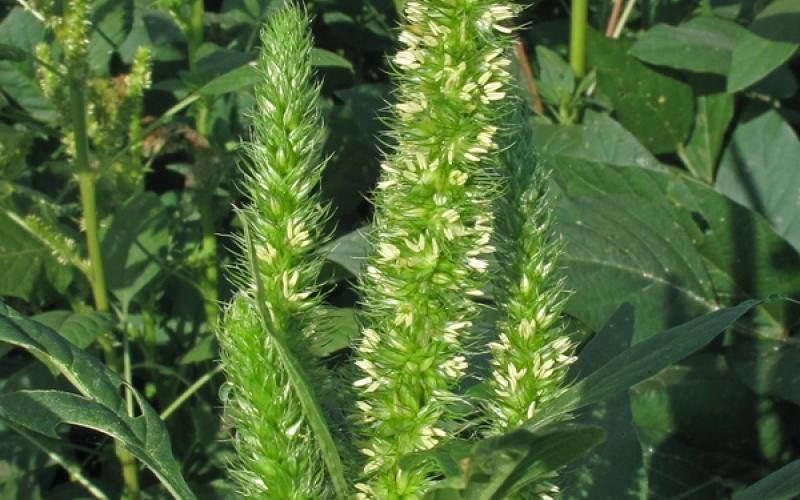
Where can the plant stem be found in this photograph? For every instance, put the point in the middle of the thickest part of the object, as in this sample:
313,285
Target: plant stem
527,73
577,37
86,182
612,20
624,19
209,241
169,410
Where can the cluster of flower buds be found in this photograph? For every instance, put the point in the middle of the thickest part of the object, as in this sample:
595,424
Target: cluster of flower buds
431,233
531,355
278,454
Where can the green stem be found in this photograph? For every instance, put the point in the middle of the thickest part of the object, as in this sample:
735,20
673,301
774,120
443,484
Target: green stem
86,182
577,37
189,391
209,241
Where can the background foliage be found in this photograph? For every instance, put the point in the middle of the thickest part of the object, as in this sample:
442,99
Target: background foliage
675,161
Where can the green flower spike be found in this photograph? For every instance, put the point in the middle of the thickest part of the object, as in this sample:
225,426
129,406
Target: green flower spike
282,444
431,233
531,355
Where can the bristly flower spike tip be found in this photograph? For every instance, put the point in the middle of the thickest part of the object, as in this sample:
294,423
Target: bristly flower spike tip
278,452
431,233
531,354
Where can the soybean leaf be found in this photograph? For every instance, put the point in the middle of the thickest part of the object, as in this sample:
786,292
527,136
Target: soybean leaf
338,328
21,30
773,39
669,245
134,246
599,139
241,78
704,44
28,270
701,152
349,251
80,328
768,367
154,29
99,405
556,79
641,361
322,58
780,485
759,170
655,108
112,21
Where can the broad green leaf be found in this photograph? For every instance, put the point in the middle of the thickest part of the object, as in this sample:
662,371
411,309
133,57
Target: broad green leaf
493,468
241,78
134,246
614,469
655,108
599,139
28,270
759,169
338,328
349,251
80,328
154,29
353,142
704,44
555,77
671,246
773,39
112,21
780,485
768,367
701,152
99,405
322,58
641,361
21,30
692,402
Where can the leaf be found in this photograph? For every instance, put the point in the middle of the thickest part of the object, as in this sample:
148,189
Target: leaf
112,21
134,245
701,152
21,30
768,367
81,329
27,268
759,170
154,29
655,108
671,246
641,361
555,77
338,329
780,485
494,467
615,468
322,58
600,139
704,44
349,251
99,406
241,78
773,40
